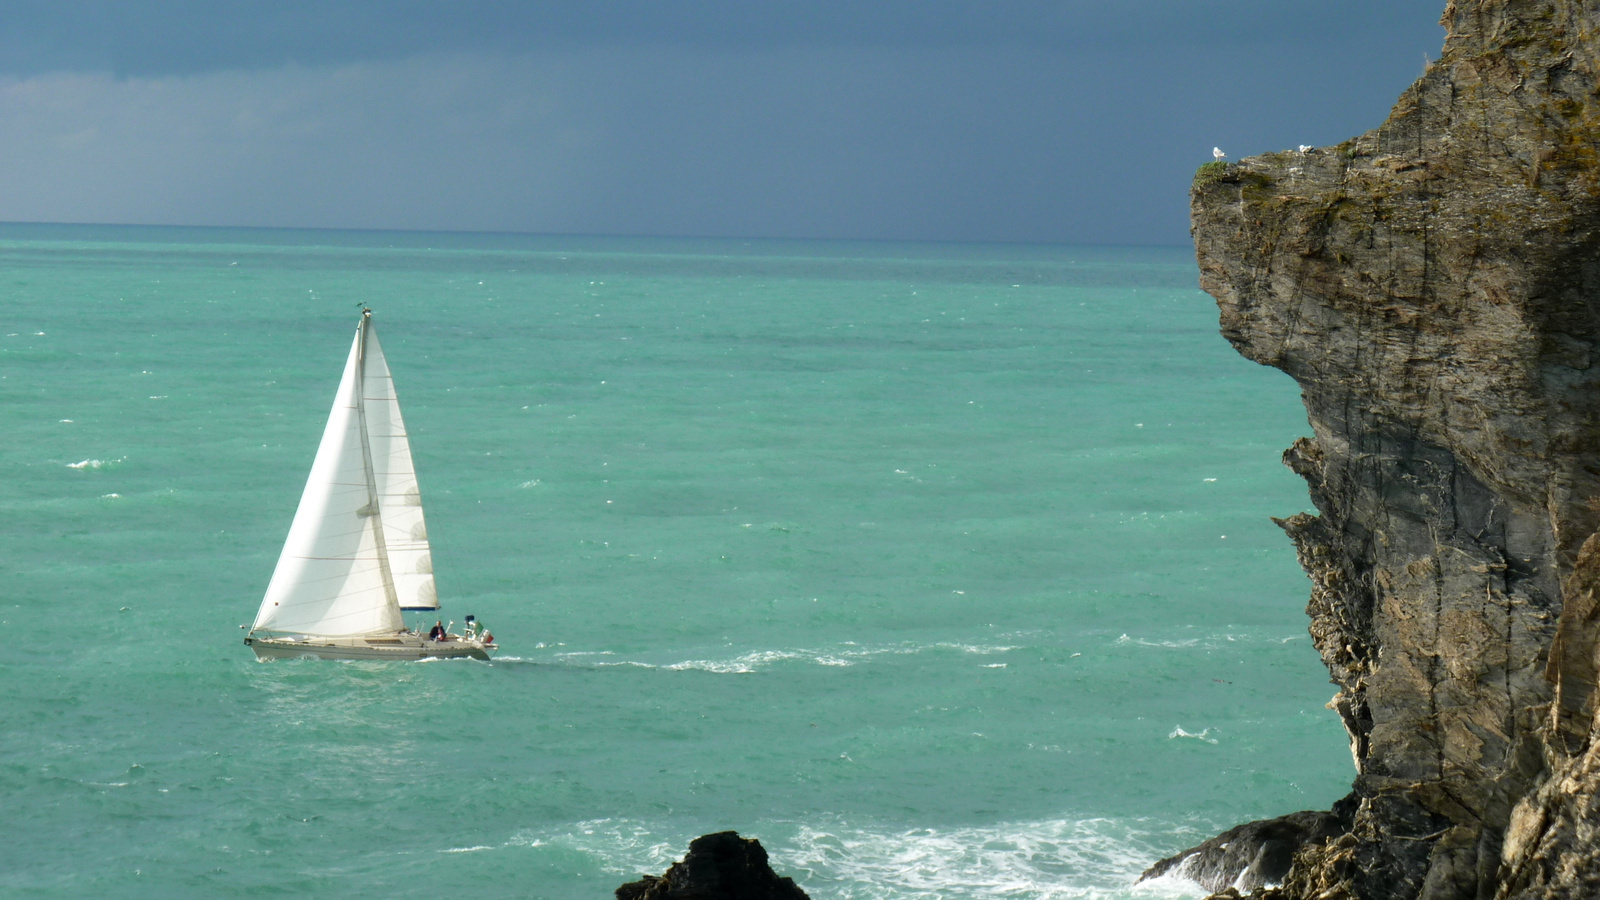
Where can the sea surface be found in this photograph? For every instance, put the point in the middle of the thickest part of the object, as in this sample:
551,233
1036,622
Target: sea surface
944,570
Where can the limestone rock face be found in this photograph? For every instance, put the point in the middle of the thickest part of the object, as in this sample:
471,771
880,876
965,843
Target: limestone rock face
1434,288
721,866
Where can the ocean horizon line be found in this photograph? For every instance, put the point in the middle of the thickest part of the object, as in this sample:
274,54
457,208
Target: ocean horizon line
595,236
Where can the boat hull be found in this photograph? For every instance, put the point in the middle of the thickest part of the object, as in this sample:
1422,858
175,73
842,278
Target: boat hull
401,647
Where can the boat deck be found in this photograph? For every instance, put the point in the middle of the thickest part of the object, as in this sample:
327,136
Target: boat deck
401,646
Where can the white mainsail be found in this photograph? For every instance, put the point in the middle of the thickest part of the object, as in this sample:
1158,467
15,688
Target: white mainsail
357,551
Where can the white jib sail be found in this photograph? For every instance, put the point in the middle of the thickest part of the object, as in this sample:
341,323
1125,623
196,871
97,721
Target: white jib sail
336,576
405,535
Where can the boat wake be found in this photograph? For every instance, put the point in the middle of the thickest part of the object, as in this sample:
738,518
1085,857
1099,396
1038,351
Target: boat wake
845,654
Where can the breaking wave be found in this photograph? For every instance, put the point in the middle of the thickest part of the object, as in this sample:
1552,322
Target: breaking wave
1203,735
1215,641
1064,859
95,463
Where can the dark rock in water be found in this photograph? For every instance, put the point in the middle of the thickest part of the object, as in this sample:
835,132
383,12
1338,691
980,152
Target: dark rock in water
722,866
1434,288
1250,856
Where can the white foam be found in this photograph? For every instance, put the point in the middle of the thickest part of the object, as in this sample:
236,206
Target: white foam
95,463
1171,645
739,665
1093,859
619,846
1170,885
979,649
1062,859
1207,641
1203,735
848,653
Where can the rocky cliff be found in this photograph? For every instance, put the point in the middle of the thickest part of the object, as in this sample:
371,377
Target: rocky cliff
1434,288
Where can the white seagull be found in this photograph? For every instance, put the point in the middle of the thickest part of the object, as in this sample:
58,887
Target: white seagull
1306,148
1217,154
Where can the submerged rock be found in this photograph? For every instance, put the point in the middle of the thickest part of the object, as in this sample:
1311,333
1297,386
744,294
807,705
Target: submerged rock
1434,288
722,866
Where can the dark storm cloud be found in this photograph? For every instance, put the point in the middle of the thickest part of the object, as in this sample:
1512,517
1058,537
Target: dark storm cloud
189,36
934,120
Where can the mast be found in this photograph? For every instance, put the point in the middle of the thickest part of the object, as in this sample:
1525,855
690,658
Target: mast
372,511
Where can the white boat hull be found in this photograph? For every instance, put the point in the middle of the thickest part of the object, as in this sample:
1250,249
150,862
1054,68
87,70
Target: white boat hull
400,647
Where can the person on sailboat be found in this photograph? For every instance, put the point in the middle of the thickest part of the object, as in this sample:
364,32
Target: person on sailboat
437,634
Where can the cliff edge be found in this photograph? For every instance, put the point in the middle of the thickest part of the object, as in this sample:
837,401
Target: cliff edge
1434,288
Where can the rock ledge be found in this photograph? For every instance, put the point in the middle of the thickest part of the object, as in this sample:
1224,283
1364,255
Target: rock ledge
721,866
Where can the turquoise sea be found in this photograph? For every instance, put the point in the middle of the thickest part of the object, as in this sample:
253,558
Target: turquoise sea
945,570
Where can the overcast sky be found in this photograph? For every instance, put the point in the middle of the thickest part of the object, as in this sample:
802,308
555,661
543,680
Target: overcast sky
1067,121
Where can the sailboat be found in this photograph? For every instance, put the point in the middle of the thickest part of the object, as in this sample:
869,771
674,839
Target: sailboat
357,556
